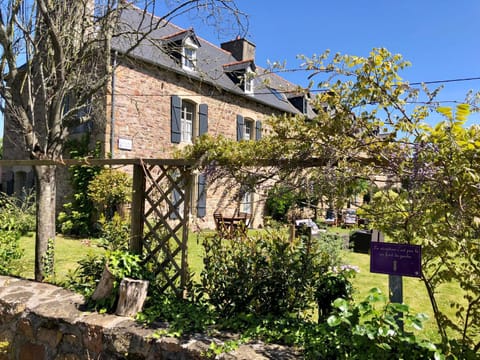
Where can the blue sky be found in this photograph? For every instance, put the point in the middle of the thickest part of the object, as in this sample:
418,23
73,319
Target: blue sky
441,38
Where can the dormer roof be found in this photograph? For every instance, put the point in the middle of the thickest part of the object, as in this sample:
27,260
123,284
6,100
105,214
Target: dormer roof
181,37
239,66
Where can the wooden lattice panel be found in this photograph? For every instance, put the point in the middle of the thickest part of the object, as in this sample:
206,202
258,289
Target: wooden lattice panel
166,203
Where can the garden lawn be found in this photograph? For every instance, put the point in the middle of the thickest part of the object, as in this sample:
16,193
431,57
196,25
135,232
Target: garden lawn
67,253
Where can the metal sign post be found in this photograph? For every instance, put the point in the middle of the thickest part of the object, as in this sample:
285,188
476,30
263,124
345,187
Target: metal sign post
396,260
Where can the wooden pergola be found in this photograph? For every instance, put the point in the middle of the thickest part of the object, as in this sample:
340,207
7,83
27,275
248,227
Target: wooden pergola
159,211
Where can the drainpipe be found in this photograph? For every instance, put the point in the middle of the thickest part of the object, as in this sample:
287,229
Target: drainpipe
112,108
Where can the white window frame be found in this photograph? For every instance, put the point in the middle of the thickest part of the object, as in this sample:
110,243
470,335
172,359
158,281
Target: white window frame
189,55
305,105
246,205
187,121
248,77
249,129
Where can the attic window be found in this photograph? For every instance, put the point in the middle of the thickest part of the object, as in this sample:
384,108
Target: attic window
248,82
183,46
242,73
189,55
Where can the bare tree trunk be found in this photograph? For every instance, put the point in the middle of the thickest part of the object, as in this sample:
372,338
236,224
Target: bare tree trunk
45,229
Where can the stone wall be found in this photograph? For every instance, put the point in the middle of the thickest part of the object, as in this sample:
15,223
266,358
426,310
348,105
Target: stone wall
43,322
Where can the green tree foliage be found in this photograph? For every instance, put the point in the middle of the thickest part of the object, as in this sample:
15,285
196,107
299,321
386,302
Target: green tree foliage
437,206
370,125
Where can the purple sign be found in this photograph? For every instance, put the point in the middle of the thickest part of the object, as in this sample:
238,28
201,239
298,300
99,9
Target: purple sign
396,259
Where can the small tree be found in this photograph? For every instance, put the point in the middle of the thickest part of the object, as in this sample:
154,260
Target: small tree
55,62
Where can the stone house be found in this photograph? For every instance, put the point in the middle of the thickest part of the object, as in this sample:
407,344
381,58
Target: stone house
174,87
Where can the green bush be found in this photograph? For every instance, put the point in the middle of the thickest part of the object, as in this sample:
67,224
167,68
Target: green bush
17,217
110,189
264,274
372,329
9,250
114,234
18,212
278,202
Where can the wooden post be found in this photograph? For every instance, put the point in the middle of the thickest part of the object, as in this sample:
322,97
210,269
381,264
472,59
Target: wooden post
138,210
131,297
186,223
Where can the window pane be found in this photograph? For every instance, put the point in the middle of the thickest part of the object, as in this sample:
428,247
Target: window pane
187,122
189,57
248,130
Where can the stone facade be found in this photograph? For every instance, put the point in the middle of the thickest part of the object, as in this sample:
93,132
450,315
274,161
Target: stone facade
43,322
142,111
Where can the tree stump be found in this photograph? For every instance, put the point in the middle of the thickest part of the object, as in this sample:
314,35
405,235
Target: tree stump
105,285
132,296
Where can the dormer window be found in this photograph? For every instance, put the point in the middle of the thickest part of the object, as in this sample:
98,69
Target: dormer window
189,55
183,47
242,73
248,82
300,101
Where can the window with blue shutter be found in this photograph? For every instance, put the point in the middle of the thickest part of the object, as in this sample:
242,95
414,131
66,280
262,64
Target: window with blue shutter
176,119
258,130
240,127
202,119
202,196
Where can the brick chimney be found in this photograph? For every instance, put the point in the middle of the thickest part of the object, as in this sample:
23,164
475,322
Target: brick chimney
241,49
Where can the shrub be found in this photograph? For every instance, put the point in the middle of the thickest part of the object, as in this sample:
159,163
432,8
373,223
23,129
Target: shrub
9,250
333,285
114,234
278,202
17,217
264,274
18,212
109,190
367,331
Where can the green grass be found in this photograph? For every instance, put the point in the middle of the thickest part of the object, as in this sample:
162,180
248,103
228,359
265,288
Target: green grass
68,251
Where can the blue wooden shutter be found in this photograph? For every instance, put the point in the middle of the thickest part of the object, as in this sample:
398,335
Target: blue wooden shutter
176,203
176,119
240,127
202,196
202,119
258,130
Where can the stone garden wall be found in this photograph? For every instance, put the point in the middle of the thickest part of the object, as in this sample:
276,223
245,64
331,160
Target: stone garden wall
44,322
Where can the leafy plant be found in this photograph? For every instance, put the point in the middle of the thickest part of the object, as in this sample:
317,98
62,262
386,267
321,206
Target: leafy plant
363,331
263,274
9,250
77,215
18,212
115,233
333,285
109,189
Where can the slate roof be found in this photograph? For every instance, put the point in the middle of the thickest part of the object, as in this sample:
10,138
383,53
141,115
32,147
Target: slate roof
211,59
